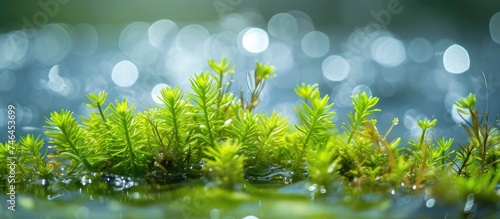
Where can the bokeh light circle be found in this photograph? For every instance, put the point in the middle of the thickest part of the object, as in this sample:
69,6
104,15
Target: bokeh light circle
495,27
255,40
335,68
52,44
16,46
315,44
388,51
342,95
420,50
162,32
125,73
362,89
156,92
85,38
456,59
131,35
192,38
281,55
283,26
457,117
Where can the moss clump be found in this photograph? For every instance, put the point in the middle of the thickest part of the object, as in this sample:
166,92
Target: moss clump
212,132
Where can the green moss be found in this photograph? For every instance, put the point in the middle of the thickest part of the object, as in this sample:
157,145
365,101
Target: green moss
212,134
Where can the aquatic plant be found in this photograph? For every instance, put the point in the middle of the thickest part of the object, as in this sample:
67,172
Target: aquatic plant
211,133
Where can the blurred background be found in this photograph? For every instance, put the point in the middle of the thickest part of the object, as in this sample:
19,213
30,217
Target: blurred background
417,56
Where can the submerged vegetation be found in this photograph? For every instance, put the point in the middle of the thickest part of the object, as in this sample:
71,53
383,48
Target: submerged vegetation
212,134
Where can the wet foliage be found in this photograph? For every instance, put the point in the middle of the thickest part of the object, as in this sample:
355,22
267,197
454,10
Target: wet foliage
213,142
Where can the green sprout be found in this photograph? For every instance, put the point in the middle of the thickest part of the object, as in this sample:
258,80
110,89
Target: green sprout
225,164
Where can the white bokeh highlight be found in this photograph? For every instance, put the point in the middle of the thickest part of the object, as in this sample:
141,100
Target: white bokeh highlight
456,59
335,68
495,27
457,117
156,92
125,73
52,44
16,46
315,44
283,26
162,32
388,51
255,40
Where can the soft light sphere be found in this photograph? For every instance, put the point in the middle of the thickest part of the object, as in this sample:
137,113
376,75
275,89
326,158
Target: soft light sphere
255,40
335,68
456,59
156,92
125,73
495,27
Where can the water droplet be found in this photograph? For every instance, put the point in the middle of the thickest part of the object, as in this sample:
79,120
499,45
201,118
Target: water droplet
136,195
322,190
470,203
119,182
83,180
312,188
430,203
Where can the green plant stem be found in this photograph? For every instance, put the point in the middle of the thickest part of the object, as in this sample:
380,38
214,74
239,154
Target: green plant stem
101,112
175,118
71,144
129,144
423,148
308,136
220,93
207,123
